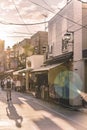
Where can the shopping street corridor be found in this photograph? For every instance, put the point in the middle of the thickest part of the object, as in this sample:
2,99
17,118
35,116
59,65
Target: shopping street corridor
25,112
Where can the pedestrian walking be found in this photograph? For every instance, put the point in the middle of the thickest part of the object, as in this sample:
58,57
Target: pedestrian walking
8,86
2,84
18,85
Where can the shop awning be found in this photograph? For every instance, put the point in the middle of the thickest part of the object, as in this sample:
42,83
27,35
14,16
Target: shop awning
21,71
15,73
46,68
60,58
9,71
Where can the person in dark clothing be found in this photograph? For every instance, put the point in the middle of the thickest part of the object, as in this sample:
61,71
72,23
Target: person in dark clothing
2,84
8,86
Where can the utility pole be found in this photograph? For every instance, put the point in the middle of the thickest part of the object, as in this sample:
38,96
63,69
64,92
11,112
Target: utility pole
45,16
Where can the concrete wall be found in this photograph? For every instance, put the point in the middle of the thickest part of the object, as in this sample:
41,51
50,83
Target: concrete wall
84,22
66,19
36,61
86,76
70,18
40,40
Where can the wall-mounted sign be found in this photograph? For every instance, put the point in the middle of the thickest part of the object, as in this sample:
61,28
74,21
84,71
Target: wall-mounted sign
64,45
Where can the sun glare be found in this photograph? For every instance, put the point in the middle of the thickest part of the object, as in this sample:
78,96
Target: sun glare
8,41
2,35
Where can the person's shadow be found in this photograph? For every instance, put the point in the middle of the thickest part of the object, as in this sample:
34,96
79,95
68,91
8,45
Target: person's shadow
13,115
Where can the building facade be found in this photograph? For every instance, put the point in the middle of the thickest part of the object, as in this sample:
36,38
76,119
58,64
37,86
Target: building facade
2,56
40,42
33,50
67,40
21,51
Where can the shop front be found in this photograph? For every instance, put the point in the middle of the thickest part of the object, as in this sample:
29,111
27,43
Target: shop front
63,84
9,73
32,62
22,76
51,80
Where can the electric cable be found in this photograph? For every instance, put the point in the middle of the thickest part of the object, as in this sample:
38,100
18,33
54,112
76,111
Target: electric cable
20,16
47,4
45,21
48,21
76,23
23,24
18,36
42,6
23,33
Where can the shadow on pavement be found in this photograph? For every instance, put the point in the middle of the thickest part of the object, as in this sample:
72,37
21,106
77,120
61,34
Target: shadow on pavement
46,124
13,115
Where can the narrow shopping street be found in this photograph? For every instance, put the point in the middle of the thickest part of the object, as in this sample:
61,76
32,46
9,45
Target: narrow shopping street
25,112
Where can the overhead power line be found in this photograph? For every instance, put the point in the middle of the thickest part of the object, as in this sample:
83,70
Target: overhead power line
42,6
82,26
83,1
22,33
75,22
7,23
47,4
18,36
70,20
19,24
20,15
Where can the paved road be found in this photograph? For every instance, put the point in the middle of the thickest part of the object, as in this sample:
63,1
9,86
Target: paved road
28,113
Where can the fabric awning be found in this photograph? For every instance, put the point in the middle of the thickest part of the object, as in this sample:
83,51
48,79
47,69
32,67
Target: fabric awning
60,58
15,73
25,70
9,71
46,68
21,71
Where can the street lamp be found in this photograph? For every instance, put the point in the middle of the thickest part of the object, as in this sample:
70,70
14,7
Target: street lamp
67,38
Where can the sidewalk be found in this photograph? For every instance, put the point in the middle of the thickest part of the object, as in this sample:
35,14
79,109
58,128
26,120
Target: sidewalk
53,104
83,109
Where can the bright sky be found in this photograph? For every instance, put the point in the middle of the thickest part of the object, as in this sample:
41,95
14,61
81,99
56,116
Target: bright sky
25,12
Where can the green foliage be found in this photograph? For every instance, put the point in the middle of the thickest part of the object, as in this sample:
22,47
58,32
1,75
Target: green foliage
28,49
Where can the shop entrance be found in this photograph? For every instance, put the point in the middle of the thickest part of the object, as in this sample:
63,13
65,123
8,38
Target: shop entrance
42,86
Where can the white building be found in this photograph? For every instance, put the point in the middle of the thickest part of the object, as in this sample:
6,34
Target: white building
72,19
